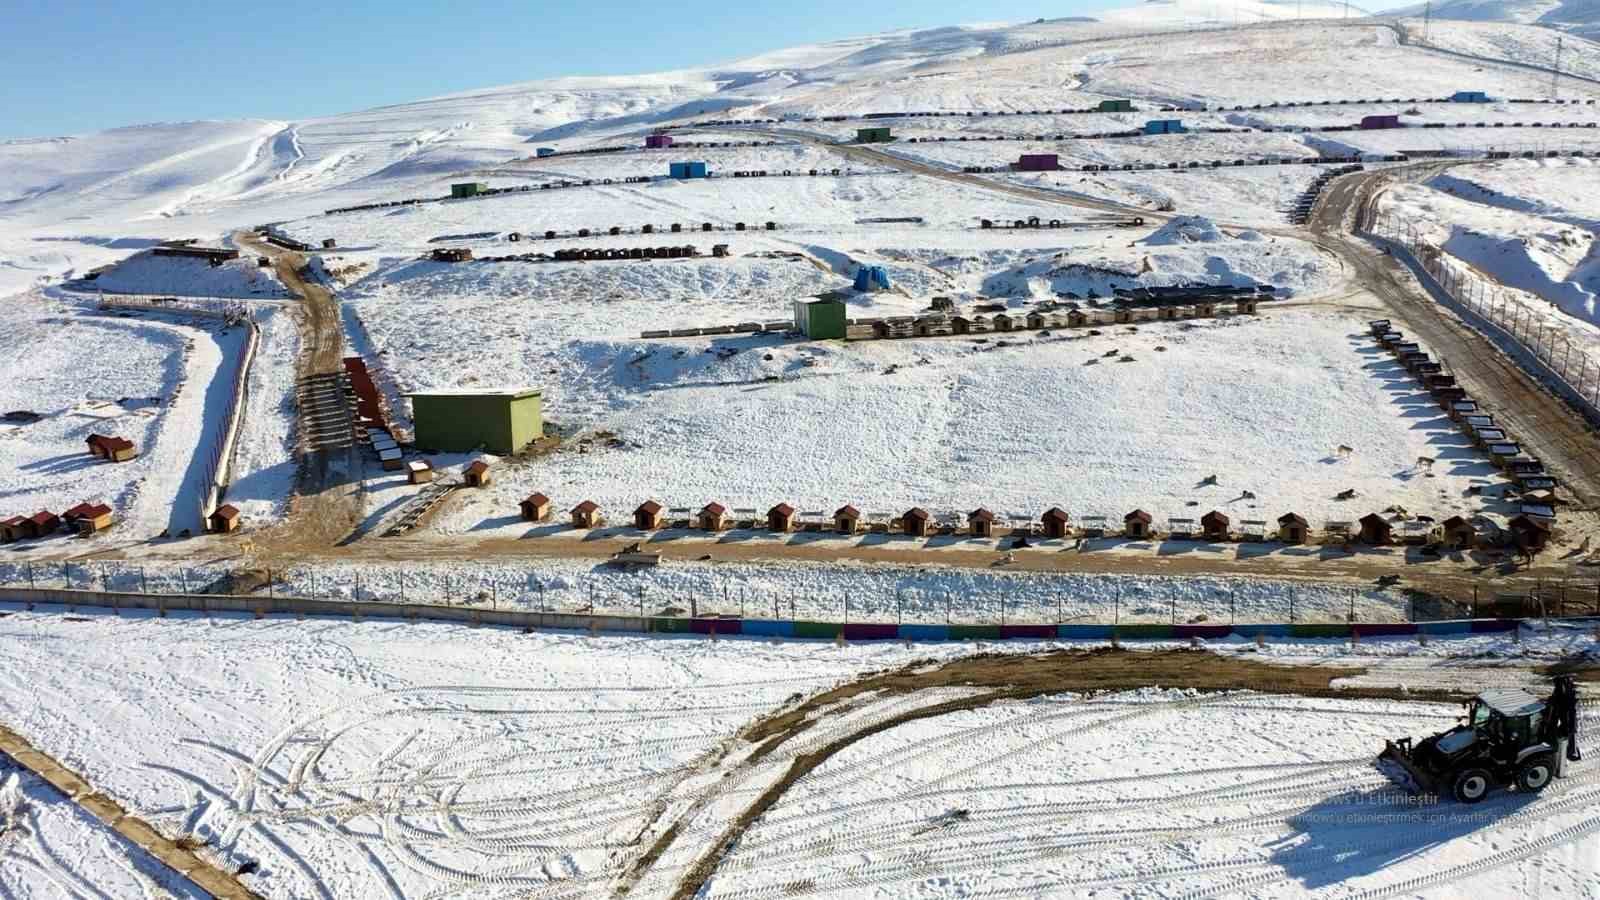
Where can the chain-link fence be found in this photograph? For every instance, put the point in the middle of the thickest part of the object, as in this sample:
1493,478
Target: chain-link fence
904,597
1543,341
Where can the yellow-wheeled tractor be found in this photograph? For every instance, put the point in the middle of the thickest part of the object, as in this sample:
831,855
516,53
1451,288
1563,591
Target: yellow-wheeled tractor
1508,737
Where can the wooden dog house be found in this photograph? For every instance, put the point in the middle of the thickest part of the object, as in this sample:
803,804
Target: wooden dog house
780,518
535,508
586,515
713,517
648,516
1375,530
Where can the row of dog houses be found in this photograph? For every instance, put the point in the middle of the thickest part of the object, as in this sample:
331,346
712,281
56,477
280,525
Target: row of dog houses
1455,533
825,319
84,519
1301,213
687,251
1527,473
941,325
690,172
1036,222
659,140
1115,106
616,230
1196,165
1104,106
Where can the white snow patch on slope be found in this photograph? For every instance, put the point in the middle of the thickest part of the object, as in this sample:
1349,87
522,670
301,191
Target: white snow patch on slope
146,273
1185,230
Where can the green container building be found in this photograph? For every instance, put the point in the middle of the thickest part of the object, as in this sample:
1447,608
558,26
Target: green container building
1116,106
873,136
820,320
467,189
500,422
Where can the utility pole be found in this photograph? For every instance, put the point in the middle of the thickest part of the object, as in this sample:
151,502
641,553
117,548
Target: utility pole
1555,78
1427,20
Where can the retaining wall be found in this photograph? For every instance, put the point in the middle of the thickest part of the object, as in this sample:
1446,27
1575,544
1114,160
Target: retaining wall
221,465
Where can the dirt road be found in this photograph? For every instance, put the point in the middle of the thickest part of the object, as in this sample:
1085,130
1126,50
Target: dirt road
327,505
1551,429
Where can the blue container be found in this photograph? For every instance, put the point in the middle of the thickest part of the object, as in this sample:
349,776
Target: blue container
768,628
1084,632
872,278
923,633
1164,126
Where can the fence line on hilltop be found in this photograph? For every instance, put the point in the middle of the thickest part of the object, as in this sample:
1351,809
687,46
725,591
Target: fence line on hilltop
1545,346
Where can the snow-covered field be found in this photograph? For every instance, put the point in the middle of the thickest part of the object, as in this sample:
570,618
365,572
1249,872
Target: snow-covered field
49,847
1137,793
386,759
955,424
153,380
571,728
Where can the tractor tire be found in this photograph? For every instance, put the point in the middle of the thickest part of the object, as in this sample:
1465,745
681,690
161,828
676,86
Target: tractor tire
1535,772
1471,785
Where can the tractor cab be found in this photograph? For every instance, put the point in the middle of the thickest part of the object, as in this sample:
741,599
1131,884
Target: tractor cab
1507,720
1508,736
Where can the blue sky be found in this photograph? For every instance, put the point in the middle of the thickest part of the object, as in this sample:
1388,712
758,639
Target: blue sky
68,67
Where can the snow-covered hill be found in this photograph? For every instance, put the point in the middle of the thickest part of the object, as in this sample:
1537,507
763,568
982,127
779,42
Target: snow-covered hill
74,203
1579,16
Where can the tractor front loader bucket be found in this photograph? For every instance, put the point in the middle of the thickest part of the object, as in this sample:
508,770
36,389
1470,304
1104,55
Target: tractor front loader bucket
1399,753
